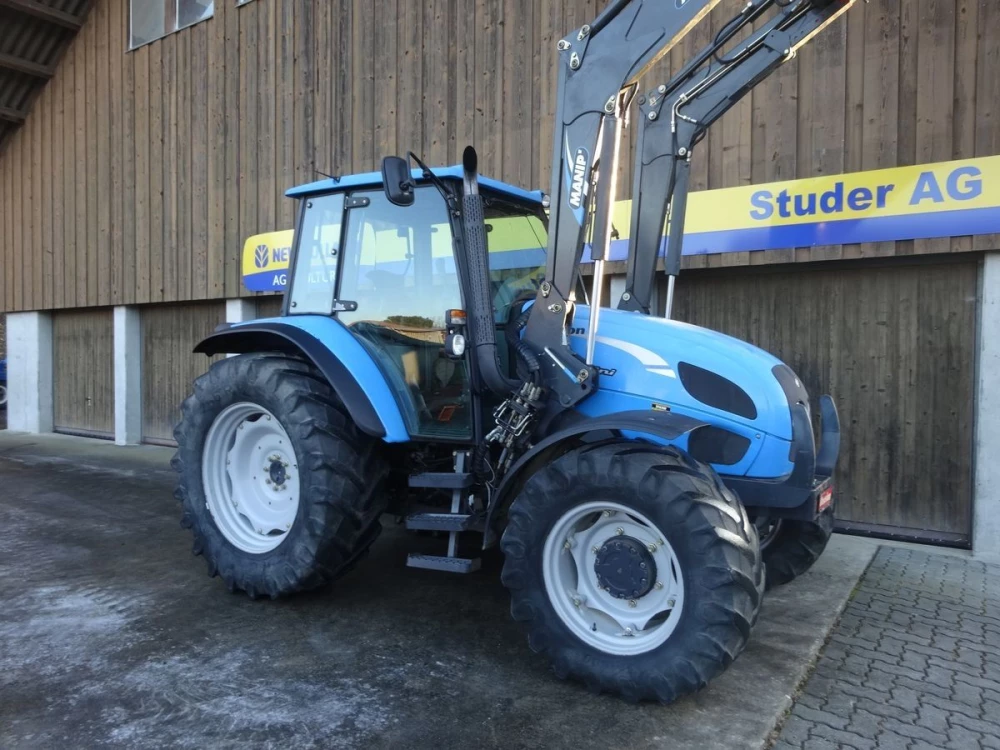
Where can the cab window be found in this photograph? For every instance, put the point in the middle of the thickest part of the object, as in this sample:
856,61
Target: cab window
516,236
399,267
317,244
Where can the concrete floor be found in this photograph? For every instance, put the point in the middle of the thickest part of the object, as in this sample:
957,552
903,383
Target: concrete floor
112,635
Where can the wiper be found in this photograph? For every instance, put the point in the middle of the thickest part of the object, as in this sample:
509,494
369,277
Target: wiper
447,194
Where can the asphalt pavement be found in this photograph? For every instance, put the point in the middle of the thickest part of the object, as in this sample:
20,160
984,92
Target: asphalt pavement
112,635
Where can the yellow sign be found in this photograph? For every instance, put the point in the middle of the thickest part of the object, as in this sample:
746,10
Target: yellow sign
935,200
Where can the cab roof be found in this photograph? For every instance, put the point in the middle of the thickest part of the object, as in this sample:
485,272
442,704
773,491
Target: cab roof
374,179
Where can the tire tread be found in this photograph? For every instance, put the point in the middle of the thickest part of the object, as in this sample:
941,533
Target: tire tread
337,526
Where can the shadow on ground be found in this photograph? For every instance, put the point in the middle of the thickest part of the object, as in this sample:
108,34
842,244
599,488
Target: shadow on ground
113,635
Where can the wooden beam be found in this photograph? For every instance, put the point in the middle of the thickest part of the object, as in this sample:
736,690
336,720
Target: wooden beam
45,13
12,115
11,62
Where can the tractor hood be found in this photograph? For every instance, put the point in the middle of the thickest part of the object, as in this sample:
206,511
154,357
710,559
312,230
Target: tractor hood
688,369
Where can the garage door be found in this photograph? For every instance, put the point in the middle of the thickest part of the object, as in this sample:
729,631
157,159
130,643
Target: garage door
83,372
895,345
169,333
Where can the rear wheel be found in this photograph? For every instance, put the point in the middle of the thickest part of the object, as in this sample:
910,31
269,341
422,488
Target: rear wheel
633,568
791,547
281,491
3,396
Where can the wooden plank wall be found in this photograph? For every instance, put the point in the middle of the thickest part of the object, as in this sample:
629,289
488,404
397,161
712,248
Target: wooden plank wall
895,345
138,174
169,333
269,306
83,372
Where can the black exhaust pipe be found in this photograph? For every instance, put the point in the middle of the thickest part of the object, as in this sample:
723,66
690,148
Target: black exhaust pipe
482,325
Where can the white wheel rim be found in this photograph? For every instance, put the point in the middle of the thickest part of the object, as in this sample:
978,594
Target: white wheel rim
251,478
3,395
623,627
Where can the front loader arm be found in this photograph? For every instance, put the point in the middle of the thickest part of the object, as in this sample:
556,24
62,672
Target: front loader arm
596,63
676,115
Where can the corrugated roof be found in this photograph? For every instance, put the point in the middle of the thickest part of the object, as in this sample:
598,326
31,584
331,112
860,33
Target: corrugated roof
33,35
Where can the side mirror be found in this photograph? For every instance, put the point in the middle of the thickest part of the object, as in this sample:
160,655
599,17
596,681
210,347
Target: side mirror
398,181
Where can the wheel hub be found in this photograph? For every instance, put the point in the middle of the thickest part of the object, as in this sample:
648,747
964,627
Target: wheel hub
277,472
625,568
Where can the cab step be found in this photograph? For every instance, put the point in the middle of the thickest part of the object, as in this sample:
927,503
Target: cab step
443,562
443,480
439,522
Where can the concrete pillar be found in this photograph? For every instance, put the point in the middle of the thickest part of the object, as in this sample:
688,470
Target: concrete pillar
29,371
239,310
617,284
128,376
986,482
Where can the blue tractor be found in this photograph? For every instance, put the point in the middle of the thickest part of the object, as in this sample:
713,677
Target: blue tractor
437,359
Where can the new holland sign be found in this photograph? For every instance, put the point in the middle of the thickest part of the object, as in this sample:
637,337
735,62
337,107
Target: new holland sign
950,199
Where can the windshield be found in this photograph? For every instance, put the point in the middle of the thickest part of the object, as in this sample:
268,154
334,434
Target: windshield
516,236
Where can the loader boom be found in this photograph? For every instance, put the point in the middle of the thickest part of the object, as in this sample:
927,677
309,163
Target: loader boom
596,63
676,115
599,68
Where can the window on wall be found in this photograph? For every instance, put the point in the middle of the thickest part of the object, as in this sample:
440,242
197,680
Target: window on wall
153,19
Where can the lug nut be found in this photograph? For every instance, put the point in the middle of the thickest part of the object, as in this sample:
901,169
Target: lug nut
659,585
595,550
671,602
619,531
631,602
652,547
607,513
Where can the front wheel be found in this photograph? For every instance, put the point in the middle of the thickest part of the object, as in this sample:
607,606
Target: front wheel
634,569
791,547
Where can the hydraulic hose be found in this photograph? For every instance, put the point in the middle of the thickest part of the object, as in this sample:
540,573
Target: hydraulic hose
527,356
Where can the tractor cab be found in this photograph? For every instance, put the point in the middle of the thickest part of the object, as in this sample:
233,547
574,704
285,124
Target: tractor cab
392,273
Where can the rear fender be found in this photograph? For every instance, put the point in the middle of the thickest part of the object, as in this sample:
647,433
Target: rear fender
346,364
658,426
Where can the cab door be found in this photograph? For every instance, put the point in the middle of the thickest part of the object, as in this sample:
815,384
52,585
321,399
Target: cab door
398,266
